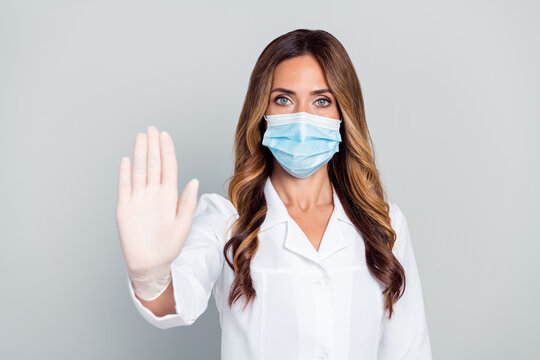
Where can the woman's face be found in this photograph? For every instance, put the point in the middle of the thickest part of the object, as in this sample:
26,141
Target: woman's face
299,85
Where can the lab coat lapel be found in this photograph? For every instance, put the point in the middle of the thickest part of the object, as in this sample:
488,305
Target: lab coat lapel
276,212
333,239
295,240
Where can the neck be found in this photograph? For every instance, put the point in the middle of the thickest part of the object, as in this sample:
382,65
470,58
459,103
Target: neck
304,194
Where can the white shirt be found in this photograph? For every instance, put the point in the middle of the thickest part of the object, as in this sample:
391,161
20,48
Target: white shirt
310,304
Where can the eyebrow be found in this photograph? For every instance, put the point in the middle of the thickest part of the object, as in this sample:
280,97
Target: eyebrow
314,92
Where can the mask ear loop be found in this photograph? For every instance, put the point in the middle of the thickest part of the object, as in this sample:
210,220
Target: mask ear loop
264,118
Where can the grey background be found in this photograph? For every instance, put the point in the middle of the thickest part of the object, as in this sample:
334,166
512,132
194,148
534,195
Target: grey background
451,92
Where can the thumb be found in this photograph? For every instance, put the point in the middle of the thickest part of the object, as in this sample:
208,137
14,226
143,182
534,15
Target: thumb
186,206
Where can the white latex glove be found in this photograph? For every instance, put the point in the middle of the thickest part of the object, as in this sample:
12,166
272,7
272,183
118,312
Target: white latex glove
153,223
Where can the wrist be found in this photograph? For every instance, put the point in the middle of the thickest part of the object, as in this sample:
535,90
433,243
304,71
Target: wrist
149,285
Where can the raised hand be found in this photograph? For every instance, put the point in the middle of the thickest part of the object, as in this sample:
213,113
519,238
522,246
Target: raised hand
153,223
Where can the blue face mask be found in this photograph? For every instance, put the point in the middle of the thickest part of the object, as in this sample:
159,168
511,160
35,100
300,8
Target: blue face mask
302,142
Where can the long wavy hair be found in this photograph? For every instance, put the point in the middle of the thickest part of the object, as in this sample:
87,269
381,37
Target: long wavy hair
352,170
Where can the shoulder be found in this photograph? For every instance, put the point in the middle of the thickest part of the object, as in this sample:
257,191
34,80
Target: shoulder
401,227
214,214
397,216
216,206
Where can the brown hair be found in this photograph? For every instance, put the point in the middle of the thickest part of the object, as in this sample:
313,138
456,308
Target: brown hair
352,170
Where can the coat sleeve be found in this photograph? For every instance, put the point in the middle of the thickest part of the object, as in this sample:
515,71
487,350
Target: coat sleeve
405,336
198,265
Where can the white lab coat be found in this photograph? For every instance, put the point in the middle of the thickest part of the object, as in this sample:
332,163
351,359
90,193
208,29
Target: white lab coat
310,304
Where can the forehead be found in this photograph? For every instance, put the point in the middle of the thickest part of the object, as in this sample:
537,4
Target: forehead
301,72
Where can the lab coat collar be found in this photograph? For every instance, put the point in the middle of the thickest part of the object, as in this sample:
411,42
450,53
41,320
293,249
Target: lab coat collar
296,241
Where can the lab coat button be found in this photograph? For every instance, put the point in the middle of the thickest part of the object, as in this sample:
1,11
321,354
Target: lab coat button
322,356
318,282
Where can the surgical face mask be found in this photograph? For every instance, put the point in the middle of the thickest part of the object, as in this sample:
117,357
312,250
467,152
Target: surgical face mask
302,142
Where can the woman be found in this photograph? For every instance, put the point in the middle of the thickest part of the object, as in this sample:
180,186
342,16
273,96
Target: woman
307,260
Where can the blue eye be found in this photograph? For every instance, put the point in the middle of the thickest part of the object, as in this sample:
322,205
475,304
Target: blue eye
323,104
278,98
